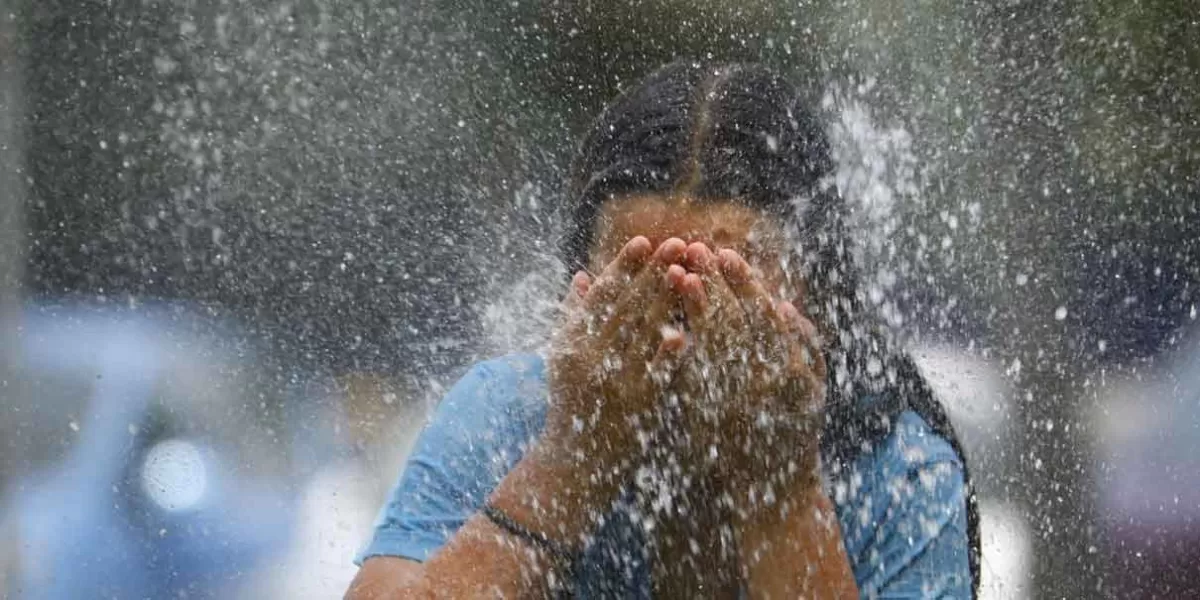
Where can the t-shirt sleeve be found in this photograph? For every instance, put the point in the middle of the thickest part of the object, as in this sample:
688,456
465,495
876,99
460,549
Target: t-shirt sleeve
474,437
906,536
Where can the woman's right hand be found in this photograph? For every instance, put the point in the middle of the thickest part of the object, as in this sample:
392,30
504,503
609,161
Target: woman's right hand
611,360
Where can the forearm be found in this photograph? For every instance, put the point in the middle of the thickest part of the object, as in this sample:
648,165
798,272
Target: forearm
799,554
481,560
544,495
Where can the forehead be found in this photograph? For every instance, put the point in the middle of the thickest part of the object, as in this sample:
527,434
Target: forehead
660,217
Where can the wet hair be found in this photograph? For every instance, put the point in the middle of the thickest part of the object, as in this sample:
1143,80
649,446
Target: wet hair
743,134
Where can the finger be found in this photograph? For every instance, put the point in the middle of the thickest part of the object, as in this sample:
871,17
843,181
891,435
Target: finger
755,299
704,295
699,259
694,287
666,370
646,285
609,284
798,323
670,252
805,332
807,388
581,282
806,361
713,318
577,291
698,263
723,300
689,288
665,364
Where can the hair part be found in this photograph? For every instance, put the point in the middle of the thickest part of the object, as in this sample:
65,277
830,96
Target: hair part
713,133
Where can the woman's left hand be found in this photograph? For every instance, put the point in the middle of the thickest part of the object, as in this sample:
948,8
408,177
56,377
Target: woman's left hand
752,388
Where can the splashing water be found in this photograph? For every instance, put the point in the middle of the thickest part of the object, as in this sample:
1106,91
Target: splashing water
876,171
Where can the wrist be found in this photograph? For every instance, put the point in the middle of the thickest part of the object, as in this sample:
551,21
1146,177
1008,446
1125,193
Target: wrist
761,516
807,533
557,493
763,496
776,530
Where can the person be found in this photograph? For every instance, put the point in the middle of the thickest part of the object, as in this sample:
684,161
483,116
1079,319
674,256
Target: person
717,414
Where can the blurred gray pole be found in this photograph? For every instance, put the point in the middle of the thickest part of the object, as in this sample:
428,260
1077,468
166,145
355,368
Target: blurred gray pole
12,178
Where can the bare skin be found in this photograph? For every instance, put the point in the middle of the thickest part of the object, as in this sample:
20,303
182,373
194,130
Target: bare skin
728,283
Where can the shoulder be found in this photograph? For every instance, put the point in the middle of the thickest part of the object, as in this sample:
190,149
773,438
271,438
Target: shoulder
917,471
902,506
911,447
474,436
514,367
913,443
504,374
495,394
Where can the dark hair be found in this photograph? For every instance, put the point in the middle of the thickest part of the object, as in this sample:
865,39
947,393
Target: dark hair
741,133
733,132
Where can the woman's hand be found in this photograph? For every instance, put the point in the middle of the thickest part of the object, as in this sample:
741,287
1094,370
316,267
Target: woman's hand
611,360
752,385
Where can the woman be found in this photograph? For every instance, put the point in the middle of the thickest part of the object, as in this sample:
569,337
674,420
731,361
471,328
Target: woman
716,417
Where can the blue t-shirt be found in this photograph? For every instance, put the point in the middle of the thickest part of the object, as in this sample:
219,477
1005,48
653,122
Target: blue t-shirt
901,505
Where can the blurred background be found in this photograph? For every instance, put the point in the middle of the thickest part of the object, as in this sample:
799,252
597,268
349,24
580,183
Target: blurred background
244,246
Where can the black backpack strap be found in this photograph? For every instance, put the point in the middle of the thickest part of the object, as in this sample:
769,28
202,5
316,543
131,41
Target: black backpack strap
853,427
